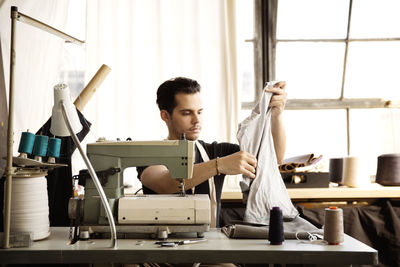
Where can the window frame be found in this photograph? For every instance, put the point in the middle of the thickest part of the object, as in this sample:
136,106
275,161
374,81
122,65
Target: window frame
265,42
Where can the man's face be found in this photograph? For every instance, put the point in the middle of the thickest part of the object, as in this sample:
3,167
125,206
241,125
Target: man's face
186,117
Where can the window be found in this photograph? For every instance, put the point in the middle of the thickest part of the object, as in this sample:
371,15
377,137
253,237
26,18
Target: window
72,71
341,60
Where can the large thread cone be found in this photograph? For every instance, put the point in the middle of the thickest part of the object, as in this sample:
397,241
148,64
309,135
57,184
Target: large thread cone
275,234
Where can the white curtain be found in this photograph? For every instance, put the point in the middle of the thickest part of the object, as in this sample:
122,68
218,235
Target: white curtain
38,56
148,42
144,43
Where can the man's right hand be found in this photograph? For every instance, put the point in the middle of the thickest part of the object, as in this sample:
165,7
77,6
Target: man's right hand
238,163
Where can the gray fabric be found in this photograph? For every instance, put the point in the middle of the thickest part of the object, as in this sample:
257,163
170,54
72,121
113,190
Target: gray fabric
261,232
267,189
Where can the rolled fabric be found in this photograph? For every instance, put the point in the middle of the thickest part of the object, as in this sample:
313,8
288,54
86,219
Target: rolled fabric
388,170
240,231
298,228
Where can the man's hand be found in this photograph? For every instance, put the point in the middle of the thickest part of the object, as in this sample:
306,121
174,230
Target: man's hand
278,99
238,163
277,104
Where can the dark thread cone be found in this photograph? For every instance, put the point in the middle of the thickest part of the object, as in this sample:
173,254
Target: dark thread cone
275,234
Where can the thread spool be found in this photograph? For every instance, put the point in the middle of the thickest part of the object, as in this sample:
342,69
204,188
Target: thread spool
275,233
40,146
53,150
354,175
388,170
336,170
26,143
333,226
29,206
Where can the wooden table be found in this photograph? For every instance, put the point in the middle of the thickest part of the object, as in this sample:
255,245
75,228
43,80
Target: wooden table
371,192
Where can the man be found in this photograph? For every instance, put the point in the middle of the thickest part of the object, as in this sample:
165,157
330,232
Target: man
181,109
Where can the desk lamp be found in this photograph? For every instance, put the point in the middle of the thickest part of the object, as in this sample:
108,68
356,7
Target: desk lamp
60,126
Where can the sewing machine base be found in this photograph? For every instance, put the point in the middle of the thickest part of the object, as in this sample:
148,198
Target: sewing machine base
152,231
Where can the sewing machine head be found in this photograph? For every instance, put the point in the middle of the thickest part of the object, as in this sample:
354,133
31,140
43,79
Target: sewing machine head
176,155
154,214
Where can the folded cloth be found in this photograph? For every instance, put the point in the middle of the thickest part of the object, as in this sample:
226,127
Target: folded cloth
241,231
292,164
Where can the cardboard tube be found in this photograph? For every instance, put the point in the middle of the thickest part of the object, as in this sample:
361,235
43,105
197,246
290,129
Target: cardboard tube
91,87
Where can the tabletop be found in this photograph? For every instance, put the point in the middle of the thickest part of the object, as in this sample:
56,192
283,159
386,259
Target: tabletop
372,191
217,249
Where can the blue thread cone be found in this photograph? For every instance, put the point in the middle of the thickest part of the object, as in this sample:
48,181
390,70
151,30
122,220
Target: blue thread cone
275,233
26,143
40,147
54,147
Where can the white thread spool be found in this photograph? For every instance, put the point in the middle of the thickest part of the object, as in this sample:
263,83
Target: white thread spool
29,206
354,173
333,226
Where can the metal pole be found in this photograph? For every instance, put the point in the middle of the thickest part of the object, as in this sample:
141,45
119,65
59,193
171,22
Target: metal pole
95,180
16,16
9,168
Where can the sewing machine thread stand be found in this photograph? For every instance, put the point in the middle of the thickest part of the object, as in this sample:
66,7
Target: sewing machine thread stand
181,186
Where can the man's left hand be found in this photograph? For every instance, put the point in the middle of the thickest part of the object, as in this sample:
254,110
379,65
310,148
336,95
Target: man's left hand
278,99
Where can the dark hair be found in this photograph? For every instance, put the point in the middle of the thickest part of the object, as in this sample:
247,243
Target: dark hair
168,89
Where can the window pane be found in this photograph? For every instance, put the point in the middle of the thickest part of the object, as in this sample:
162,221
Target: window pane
72,67
312,19
312,70
374,19
316,131
374,132
246,72
245,50
373,70
245,19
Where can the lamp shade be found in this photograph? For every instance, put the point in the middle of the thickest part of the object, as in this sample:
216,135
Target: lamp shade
58,124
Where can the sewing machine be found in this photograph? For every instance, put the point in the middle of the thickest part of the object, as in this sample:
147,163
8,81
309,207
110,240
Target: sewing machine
154,214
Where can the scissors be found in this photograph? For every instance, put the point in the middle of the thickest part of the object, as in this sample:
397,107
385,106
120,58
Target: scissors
181,242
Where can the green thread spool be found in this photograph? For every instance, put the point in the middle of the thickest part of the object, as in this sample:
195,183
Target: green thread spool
26,143
40,146
54,147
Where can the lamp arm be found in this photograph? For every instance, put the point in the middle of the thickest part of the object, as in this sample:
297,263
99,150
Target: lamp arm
43,26
95,180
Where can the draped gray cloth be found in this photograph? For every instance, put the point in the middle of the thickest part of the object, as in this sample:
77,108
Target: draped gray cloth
267,189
